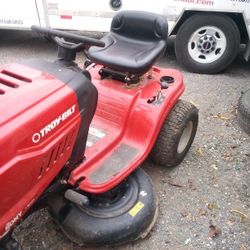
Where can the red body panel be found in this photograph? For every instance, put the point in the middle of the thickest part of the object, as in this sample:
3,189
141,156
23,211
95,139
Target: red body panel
126,123
35,146
31,153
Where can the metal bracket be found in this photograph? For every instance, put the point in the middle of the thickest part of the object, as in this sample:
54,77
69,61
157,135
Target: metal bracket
120,76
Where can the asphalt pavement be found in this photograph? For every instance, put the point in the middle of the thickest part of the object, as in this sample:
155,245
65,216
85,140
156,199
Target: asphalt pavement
205,201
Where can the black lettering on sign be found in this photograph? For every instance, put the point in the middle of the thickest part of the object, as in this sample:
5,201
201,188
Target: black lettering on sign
11,21
240,1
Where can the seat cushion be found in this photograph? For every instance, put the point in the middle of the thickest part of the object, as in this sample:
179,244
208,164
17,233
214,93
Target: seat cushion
134,43
126,55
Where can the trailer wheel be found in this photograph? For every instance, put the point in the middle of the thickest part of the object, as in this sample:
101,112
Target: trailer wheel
244,111
207,43
176,135
124,214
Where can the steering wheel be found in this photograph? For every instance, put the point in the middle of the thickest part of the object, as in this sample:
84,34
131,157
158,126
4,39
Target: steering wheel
76,41
60,41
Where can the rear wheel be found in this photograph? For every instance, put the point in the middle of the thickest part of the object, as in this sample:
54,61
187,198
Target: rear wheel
176,135
207,43
124,214
244,111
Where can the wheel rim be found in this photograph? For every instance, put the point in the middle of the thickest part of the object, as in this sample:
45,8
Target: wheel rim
115,202
207,44
185,137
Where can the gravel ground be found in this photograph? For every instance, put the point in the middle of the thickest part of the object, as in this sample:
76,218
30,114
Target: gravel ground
205,201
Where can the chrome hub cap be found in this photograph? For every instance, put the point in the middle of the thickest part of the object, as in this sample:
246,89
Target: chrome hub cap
207,44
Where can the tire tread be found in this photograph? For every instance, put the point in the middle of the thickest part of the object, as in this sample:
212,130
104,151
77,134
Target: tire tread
244,111
163,152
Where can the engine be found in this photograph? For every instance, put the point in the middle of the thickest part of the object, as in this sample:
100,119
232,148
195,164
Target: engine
45,112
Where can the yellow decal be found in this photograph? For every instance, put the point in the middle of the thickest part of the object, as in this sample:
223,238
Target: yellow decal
136,209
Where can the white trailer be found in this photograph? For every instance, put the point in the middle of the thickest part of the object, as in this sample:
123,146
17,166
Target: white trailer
208,32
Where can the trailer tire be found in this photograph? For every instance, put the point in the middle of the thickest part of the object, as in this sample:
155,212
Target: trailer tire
130,217
207,43
176,135
244,111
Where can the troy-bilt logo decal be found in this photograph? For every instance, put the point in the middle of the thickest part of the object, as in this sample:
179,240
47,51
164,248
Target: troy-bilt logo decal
48,128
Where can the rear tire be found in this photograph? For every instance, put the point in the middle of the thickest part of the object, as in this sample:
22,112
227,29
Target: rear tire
244,111
207,43
176,135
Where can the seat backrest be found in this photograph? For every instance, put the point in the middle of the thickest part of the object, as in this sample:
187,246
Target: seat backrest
140,25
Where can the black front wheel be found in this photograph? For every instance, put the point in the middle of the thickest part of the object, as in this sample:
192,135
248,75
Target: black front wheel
124,214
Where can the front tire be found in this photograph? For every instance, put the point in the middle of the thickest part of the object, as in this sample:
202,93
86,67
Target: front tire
123,214
207,43
176,135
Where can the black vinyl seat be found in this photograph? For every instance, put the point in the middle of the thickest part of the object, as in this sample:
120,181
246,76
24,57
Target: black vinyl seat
135,41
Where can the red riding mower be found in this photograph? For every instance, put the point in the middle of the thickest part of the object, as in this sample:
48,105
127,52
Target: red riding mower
73,139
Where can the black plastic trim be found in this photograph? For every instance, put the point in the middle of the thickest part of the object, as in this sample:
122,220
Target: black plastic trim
80,82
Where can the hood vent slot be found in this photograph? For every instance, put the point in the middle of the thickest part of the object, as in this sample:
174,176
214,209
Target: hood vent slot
2,92
8,83
16,76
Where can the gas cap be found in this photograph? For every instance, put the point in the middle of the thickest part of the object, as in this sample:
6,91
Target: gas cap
115,4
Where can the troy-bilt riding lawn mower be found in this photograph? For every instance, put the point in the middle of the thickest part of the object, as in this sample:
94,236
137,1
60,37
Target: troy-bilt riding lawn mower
72,139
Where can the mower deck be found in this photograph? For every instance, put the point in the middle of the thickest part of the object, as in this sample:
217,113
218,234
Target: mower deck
125,116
